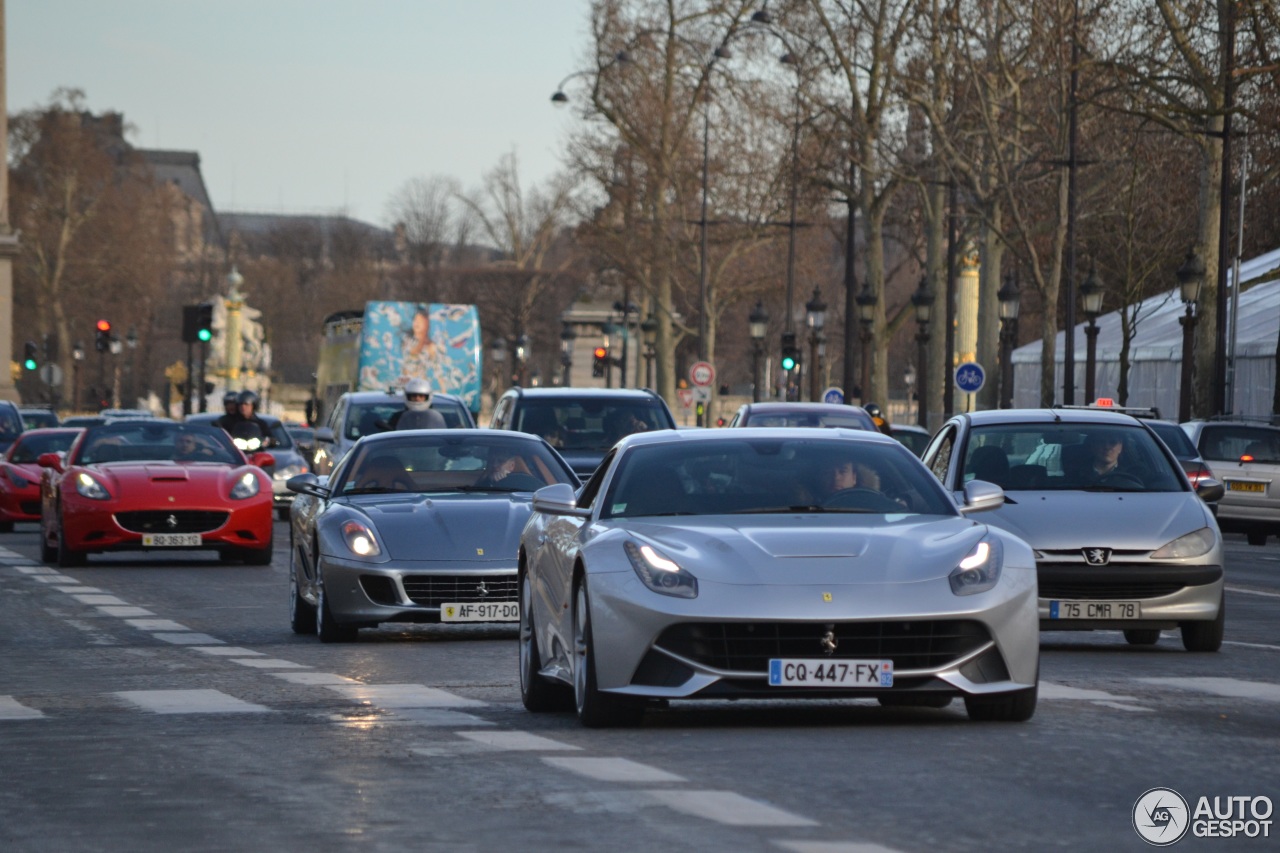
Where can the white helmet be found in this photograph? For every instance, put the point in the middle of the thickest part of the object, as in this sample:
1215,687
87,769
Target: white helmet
417,388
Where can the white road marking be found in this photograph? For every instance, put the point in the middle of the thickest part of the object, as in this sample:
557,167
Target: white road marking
35,570
156,625
189,639
612,769
1244,591
99,599
1049,690
123,611
404,696
1251,645
312,678
449,750
189,702
71,589
12,709
439,717
516,741
225,651
269,663
728,808
833,847
1122,707
55,579
1233,688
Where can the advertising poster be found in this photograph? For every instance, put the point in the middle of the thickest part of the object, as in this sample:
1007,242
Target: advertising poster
417,340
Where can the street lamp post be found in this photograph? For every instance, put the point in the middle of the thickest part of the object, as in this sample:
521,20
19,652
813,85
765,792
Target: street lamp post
498,355
649,332
567,337
758,323
1190,277
815,317
866,316
1010,298
922,301
77,356
788,325
522,358
1091,294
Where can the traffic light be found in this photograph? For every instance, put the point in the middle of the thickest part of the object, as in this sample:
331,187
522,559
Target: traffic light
30,358
190,323
790,355
599,361
204,322
102,338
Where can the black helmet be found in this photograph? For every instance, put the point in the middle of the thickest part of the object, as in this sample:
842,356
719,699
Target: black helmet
872,409
230,397
248,397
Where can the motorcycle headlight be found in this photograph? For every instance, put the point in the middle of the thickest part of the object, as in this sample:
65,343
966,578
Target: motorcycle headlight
245,487
660,573
360,539
248,445
980,569
1194,544
90,488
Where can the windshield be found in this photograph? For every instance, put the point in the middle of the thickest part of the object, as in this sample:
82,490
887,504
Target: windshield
30,446
1174,438
1231,443
152,441
589,424
433,463
373,418
1065,456
800,418
758,475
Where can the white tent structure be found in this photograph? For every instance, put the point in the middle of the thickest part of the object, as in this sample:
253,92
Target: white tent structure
1155,354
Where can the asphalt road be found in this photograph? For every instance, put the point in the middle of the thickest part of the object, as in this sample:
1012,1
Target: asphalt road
151,704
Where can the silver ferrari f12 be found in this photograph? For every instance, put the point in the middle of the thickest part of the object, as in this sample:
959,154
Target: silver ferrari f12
775,563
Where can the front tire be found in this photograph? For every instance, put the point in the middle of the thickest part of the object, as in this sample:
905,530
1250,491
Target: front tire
1256,537
595,709
537,693
1142,636
1205,636
302,614
1015,707
327,629
261,557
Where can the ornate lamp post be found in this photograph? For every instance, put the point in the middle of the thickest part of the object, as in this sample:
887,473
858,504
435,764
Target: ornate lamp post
649,333
758,323
77,357
922,301
815,317
567,337
1091,294
1010,297
522,358
1190,277
866,316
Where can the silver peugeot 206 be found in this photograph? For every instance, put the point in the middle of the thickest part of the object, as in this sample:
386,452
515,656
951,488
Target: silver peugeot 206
1122,539
775,563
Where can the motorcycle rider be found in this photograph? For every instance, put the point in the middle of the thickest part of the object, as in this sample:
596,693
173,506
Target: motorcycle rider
249,431
417,412
230,411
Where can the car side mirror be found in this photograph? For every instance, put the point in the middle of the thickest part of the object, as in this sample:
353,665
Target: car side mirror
307,484
50,460
558,499
1210,490
979,496
324,434
262,460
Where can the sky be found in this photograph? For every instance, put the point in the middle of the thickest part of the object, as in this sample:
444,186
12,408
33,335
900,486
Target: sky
313,106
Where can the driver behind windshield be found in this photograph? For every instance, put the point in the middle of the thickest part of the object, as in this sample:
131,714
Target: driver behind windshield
1103,457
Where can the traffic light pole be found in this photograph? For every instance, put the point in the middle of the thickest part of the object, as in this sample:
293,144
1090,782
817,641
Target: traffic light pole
204,398
186,397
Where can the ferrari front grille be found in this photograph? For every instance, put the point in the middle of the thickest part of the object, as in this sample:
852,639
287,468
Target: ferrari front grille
171,521
748,646
434,590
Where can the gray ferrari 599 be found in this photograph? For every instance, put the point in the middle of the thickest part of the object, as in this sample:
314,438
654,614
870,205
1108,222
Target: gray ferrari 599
773,563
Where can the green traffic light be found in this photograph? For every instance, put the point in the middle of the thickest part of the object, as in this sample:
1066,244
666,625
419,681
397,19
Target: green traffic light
788,363
204,335
29,364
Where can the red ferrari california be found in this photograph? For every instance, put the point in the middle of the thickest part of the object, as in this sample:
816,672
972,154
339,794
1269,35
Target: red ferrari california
155,485
20,473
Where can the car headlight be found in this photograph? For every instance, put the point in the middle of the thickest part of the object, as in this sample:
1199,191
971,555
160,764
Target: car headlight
245,487
17,479
660,573
91,488
290,471
980,569
1194,544
360,539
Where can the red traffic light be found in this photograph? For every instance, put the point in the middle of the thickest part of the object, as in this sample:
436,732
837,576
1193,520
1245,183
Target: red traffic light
601,352
104,325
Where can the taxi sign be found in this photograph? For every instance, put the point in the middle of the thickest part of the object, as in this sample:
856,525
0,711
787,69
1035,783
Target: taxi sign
1105,402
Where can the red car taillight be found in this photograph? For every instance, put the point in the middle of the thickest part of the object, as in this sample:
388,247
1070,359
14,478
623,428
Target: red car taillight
1196,473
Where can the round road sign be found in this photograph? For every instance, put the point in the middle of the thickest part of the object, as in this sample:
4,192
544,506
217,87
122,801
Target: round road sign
702,374
970,377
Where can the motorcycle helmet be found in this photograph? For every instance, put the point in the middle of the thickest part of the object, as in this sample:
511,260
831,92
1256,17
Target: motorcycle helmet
417,395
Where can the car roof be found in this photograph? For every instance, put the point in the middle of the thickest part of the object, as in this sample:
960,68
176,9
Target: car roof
1098,417
909,428
570,392
800,407
387,397
786,433
209,417
460,434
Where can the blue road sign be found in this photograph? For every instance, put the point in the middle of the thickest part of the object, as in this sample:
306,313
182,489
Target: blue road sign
970,377
833,395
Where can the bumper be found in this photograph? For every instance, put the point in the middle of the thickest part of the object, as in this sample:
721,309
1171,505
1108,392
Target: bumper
21,505
634,655
411,591
1167,595
92,527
